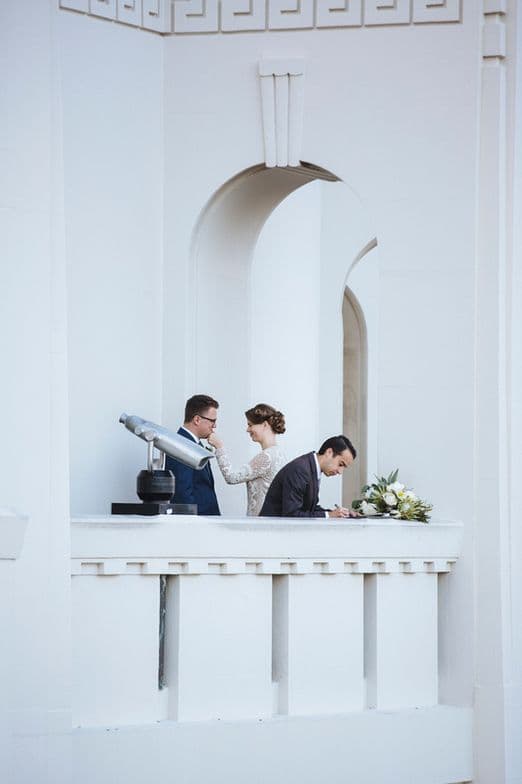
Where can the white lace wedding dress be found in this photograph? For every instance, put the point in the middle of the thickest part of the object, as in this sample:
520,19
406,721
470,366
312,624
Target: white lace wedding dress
257,474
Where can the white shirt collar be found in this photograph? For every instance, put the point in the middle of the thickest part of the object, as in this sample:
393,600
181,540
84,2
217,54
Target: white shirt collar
318,468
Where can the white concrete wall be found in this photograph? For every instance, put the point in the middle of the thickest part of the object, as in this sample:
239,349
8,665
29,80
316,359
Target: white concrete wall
33,394
113,154
12,532
285,279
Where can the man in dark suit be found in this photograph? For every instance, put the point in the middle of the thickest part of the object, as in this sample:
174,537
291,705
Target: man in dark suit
294,491
196,487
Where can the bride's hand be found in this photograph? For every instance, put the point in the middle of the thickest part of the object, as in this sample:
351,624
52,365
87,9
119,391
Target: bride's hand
214,441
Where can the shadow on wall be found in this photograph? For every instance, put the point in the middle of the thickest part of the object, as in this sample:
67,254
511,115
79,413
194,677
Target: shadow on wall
271,255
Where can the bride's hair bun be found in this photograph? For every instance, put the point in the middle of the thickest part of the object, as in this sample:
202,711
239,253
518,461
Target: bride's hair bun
277,422
264,413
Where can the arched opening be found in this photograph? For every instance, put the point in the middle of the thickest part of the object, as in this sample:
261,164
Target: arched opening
271,255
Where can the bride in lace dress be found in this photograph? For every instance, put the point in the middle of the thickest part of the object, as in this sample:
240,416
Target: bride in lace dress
263,424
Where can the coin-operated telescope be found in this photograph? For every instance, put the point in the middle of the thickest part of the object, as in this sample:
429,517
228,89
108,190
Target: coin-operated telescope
155,485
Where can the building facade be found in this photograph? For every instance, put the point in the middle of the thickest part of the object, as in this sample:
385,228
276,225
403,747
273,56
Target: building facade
203,196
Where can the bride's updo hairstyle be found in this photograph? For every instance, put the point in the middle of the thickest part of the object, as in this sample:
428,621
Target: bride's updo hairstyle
264,413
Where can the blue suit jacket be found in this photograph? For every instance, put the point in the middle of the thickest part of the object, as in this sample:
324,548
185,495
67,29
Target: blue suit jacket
193,487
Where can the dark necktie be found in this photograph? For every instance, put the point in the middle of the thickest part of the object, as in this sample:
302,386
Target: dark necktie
207,465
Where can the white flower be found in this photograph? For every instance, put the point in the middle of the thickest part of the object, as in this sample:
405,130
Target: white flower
410,495
368,510
395,487
389,499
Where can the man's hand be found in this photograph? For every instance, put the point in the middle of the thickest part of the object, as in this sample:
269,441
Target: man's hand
341,511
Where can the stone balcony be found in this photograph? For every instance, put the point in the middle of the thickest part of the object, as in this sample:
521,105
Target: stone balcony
188,621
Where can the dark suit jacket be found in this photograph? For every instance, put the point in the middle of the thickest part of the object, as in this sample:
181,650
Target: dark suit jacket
193,487
294,491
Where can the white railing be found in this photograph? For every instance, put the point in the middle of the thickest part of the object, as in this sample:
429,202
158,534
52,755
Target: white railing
261,618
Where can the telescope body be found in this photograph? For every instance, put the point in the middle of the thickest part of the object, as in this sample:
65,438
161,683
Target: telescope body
183,449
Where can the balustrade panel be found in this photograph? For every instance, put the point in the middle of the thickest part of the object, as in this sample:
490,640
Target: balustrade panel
401,640
218,646
115,649
318,643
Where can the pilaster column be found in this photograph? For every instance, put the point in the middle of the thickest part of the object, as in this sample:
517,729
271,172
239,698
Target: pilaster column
494,366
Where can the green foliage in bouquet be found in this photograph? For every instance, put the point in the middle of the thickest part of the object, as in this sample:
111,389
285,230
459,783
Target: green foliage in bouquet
389,498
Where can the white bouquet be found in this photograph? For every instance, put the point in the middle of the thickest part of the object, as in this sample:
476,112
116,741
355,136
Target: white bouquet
389,498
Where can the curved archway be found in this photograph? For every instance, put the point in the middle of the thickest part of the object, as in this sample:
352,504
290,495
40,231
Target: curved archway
271,253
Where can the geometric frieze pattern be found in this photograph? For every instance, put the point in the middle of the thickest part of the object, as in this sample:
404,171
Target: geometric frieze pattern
263,566
154,15
171,17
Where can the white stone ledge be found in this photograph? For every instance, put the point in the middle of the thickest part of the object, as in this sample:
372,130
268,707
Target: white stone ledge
198,545
428,746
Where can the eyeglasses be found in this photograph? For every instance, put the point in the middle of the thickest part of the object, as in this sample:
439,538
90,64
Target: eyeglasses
208,419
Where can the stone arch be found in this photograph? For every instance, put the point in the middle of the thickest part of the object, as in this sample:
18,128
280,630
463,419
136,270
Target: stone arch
225,250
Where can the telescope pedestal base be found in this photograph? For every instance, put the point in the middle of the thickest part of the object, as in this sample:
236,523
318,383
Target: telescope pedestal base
153,508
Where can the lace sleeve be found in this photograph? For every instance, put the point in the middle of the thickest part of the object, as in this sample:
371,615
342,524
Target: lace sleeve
258,466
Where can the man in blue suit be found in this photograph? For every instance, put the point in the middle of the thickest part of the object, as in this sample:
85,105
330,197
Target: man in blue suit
196,487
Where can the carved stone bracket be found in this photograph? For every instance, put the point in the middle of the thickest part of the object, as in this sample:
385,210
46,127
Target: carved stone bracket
282,99
494,31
